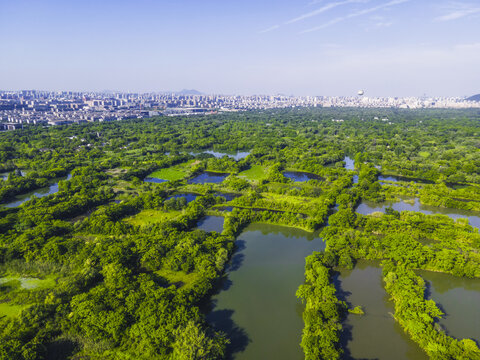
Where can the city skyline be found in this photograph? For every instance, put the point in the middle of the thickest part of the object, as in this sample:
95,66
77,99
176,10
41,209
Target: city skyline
393,48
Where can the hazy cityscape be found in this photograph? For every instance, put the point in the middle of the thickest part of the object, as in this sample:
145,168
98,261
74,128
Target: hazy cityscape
67,107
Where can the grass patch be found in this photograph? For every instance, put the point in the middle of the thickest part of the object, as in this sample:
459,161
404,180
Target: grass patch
173,173
424,154
255,173
32,283
10,310
150,217
170,174
179,278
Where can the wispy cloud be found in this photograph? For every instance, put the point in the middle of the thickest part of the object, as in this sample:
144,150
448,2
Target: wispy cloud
459,10
355,14
318,11
271,28
323,9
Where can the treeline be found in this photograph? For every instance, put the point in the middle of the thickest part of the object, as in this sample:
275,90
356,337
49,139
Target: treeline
323,312
417,316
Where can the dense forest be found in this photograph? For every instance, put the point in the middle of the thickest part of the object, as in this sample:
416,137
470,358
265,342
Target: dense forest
111,265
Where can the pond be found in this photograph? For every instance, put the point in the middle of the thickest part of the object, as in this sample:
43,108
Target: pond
228,196
188,196
208,177
459,299
375,335
413,204
300,176
349,163
257,307
235,155
211,223
39,193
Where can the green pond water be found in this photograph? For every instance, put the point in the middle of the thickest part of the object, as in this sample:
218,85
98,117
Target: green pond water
374,335
257,307
459,299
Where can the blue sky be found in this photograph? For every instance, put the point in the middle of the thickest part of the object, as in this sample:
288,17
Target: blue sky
302,47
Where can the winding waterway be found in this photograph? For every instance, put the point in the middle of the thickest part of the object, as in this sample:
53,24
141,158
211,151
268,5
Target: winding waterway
235,155
413,204
459,298
397,178
257,307
20,199
350,165
374,335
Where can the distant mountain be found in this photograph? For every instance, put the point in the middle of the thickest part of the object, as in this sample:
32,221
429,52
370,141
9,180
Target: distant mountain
189,92
474,98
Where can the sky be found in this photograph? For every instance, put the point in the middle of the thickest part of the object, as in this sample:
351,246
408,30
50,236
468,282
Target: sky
244,47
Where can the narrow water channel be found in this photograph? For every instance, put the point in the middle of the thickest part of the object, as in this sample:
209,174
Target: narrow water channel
257,307
235,155
52,189
413,204
374,335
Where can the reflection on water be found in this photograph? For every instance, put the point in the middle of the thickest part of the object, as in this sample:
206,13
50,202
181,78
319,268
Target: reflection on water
374,335
301,176
459,299
188,196
211,223
39,193
367,207
397,178
208,177
227,196
238,155
257,306
349,163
